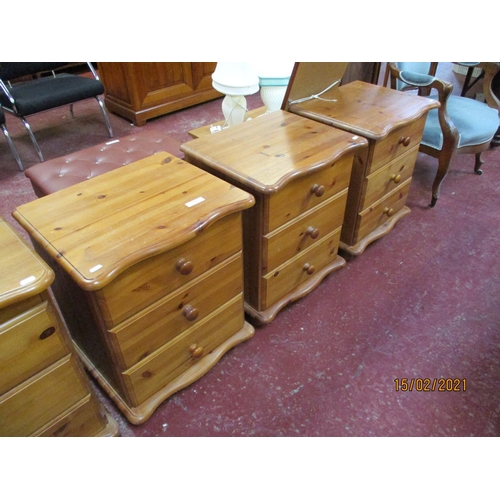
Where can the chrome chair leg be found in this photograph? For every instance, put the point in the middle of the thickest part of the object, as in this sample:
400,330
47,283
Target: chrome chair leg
12,147
33,140
106,119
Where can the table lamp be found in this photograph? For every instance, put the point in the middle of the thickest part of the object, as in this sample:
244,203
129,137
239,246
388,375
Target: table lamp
236,80
273,80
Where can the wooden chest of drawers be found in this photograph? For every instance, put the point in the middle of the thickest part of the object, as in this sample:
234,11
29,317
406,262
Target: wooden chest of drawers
43,388
298,170
393,123
150,273
140,91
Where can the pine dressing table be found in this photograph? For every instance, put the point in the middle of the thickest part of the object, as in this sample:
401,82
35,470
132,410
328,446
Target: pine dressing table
44,390
393,123
149,266
298,170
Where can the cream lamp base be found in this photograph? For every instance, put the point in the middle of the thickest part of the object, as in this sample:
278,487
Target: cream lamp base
272,96
234,109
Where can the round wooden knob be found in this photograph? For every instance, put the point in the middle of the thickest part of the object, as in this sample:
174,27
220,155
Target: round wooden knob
318,190
388,211
309,269
396,178
190,312
196,351
184,266
405,141
313,232
47,333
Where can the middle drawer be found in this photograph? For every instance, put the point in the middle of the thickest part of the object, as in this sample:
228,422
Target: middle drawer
384,180
153,327
28,344
293,238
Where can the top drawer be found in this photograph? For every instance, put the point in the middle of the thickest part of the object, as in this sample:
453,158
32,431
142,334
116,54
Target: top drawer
307,192
396,143
28,343
153,278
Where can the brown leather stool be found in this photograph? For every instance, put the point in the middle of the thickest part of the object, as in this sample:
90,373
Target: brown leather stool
59,173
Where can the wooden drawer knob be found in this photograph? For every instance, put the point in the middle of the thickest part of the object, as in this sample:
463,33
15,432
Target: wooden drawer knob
389,211
190,312
184,266
196,351
309,269
405,141
396,178
318,190
313,232
47,333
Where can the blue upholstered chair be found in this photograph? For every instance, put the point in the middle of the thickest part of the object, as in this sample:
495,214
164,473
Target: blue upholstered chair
459,125
41,93
9,140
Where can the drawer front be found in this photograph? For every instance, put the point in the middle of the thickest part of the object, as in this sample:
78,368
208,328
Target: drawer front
14,310
158,370
164,320
308,192
28,344
85,420
396,143
293,238
378,214
154,278
384,180
286,278
41,400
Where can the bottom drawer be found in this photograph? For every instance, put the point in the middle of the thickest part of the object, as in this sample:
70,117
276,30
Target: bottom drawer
379,213
160,368
284,279
34,404
83,421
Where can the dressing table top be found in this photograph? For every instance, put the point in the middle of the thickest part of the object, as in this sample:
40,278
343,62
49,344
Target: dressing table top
366,109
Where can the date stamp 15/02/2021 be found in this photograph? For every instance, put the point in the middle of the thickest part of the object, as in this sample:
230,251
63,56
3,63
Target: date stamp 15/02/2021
431,384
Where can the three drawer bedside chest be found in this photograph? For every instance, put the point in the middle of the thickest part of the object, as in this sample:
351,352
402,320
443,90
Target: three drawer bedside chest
44,390
298,170
149,268
393,123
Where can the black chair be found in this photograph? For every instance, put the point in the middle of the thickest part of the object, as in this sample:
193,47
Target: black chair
38,93
9,140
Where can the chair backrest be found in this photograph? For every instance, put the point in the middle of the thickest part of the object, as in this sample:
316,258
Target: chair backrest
425,68
12,70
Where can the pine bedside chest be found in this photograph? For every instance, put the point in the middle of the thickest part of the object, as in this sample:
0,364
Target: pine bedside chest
44,390
149,267
393,122
298,170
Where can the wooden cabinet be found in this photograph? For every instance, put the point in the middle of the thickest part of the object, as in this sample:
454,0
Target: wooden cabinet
150,273
298,170
139,91
43,388
393,123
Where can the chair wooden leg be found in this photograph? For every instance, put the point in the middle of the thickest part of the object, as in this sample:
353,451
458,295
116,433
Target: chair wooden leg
443,166
495,142
479,162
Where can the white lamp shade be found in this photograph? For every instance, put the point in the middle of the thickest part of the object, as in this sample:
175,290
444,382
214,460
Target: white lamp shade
235,78
276,69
